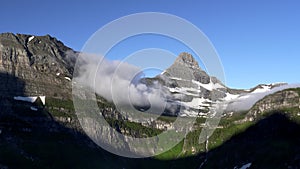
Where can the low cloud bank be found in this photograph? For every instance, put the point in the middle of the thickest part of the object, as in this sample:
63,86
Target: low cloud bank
245,102
119,82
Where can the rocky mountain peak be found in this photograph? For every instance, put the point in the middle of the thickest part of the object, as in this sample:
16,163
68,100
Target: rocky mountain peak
187,69
187,59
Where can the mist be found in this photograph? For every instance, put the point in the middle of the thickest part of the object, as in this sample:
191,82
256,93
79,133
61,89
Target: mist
120,83
245,102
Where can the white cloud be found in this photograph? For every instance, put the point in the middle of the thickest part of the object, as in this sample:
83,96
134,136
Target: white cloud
245,102
119,82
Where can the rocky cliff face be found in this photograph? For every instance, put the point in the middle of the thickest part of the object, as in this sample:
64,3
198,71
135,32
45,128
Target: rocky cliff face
42,62
185,69
33,66
30,67
286,99
195,89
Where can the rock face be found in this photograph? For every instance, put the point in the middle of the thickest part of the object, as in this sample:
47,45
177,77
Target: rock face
195,88
42,62
289,98
186,67
33,66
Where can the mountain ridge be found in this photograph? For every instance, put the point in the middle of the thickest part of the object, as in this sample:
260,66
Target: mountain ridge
31,73
37,60
44,59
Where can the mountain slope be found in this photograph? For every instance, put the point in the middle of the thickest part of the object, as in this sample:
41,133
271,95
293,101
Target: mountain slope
287,100
42,62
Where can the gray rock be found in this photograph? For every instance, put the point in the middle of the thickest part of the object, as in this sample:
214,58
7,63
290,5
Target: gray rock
41,62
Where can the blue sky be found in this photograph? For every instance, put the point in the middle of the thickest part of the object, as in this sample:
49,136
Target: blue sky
257,41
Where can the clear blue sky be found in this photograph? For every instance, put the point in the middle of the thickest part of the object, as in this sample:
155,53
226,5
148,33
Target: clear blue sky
257,41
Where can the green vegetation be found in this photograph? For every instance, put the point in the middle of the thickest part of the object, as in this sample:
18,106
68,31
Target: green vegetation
192,145
54,102
132,128
295,89
167,119
173,153
60,108
221,135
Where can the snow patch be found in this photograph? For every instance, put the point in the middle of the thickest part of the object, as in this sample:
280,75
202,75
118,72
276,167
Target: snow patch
177,78
67,78
43,99
244,166
30,38
230,96
33,108
218,86
210,86
185,90
191,113
31,99
26,99
57,74
197,102
263,89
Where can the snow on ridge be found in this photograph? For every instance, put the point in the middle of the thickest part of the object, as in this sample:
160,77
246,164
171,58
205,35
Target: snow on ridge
210,86
264,88
177,78
184,90
196,103
233,102
230,96
30,38
246,101
30,99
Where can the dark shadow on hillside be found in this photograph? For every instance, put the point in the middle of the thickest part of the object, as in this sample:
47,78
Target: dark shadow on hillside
274,142
31,138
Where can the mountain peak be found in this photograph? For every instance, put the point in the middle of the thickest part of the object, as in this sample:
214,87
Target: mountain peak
187,59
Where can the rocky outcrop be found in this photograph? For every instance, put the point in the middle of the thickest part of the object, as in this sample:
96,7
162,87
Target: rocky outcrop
190,84
32,66
43,63
289,98
187,68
